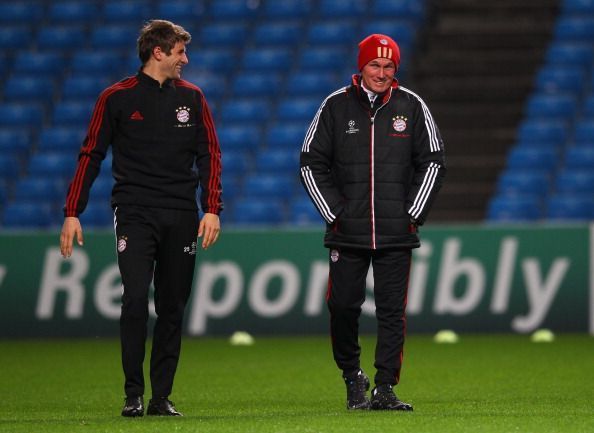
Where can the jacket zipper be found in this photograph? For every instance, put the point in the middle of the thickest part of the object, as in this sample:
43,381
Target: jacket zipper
372,180
372,169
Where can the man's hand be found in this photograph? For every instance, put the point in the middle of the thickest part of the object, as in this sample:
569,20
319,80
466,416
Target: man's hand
70,228
209,229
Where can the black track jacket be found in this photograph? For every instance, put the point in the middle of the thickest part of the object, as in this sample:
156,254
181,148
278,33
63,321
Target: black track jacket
159,136
369,170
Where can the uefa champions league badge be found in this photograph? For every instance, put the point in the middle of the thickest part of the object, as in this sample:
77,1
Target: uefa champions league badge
183,114
399,124
122,244
334,256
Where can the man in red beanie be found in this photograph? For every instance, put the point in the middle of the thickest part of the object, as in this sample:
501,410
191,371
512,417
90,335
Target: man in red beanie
372,163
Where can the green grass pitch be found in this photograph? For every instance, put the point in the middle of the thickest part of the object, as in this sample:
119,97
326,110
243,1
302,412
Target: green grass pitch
496,383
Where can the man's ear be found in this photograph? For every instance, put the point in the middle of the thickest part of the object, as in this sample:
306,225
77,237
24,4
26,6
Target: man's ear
158,53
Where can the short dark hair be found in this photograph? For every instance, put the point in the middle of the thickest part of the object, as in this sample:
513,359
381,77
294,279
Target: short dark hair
160,33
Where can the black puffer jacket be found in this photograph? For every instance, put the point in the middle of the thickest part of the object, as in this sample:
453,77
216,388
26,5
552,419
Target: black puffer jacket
371,170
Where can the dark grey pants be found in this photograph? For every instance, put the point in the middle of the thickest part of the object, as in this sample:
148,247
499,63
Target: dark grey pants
346,294
156,245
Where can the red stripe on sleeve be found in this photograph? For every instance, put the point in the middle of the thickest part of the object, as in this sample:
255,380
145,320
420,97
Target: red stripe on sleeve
92,137
214,195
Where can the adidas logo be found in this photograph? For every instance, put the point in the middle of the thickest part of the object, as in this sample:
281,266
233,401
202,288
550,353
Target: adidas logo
136,116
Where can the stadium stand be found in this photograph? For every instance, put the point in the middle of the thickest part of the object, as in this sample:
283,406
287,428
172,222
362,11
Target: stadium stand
266,65
557,132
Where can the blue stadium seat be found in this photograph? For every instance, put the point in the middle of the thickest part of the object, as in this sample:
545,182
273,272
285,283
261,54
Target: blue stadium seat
15,142
577,207
73,113
287,8
503,208
560,78
533,182
21,114
312,83
332,32
13,37
235,162
29,89
578,7
52,164
233,9
298,109
257,212
403,32
180,11
222,34
578,54
10,166
212,85
256,84
48,63
209,58
410,10
342,8
127,10
588,108
231,187
39,188
574,29
584,132
239,137
580,157
114,35
534,158
287,134
267,59
61,37
534,131
72,11
22,12
28,214
246,110
83,87
97,214
303,212
277,161
270,186
96,63
573,180
278,33
61,139
552,106
326,58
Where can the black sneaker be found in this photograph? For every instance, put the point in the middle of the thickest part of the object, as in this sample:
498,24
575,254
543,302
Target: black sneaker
357,388
162,407
383,398
133,406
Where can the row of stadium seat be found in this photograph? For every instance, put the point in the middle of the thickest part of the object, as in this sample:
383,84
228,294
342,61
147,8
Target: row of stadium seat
265,67
550,169
89,11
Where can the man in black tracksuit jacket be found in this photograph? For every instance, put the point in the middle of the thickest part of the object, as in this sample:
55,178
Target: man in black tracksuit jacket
161,130
372,162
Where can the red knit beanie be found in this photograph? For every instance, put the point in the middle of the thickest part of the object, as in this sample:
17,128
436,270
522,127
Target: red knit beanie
375,46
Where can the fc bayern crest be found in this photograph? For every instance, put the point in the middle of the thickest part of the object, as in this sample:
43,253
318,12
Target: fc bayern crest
183,114
334,256
399,123
122,244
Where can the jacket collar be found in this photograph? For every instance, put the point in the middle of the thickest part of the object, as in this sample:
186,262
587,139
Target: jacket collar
384,97
151,82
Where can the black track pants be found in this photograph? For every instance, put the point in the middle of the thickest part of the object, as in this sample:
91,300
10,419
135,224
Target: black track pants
157,245
346,294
